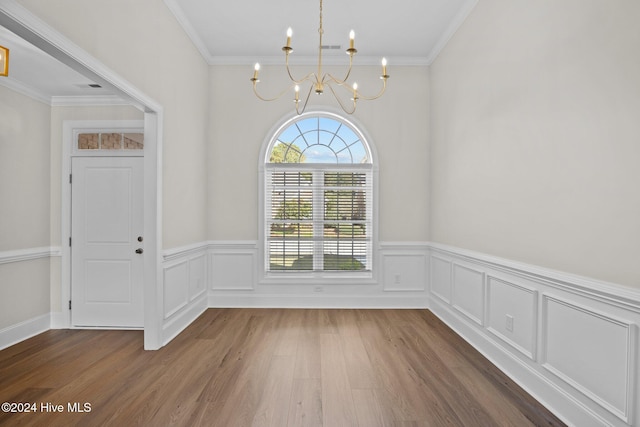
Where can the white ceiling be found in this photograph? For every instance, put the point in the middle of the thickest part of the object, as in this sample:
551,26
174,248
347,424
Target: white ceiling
243,31
406,32
39,75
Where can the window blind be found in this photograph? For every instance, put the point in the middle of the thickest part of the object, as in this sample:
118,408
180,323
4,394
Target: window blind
318,219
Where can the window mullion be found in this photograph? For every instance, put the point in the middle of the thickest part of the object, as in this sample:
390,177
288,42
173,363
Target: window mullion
318,220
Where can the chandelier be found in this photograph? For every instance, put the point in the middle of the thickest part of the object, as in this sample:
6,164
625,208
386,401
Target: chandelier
4,61
317,81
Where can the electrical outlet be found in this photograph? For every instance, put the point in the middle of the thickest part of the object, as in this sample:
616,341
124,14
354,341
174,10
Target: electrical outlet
397,279
509,323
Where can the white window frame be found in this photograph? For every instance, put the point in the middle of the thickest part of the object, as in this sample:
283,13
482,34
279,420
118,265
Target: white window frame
368,276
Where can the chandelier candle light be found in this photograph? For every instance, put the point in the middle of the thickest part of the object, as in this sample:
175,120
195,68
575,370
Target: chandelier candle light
317,81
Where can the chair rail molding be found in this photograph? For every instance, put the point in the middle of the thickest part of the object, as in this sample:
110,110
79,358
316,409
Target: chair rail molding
18,255
535,323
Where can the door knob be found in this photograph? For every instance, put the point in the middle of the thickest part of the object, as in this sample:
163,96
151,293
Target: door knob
139,251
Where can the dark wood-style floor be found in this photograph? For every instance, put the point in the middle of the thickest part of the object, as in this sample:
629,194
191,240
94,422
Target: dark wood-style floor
259,367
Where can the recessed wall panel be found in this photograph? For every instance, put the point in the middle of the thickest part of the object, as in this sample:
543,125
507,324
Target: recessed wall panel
232,271
591,351
512,314
441,278
404,272
468,292
176,288
197,274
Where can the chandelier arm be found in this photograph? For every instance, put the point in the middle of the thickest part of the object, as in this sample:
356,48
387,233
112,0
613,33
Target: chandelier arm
342,82
337,81
304,106
305,78
255,91
371,98
346,110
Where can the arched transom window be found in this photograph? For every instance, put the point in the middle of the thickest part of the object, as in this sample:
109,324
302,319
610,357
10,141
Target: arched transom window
318,197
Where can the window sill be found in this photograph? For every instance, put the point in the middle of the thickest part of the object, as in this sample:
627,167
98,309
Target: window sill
325,278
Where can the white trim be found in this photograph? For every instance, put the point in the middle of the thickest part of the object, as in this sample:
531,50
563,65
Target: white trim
569,409
610,293
21,331
272,300
179,322
249,61
18,255
564,393
31,28
192,302
87,101
623,413
453,27
25,90
265,277
176,10
61,101
24,24
184,251
69,130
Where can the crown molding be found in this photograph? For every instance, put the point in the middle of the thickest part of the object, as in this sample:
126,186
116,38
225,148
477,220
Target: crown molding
22,89
453,27
313,60
176,10
87,101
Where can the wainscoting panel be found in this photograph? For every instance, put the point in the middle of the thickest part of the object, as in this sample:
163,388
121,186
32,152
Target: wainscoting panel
197,276
512,314
441,278
399,280
569,341
233,266
176,287
468,292
185,275
591,351
404,269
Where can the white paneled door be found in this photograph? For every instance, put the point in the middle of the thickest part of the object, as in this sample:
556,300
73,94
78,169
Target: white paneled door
107,244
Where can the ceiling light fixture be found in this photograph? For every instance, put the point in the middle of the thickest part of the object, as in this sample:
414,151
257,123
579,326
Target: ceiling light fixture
4,61
318,81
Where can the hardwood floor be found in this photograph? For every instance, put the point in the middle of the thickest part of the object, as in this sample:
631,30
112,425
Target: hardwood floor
267,367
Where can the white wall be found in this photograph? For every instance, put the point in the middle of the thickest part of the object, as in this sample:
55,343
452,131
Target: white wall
24,171
397,125
535,134
142,42
24,210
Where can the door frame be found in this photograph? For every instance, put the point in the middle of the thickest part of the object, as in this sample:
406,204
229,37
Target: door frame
25,24
71,129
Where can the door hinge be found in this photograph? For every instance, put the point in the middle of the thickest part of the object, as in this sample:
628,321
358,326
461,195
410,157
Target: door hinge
69,304
70,178
69,241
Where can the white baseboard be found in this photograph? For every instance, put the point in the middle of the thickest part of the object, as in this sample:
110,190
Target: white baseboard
60,320
24,330
180,321
316,301
535,324
473,293
571,411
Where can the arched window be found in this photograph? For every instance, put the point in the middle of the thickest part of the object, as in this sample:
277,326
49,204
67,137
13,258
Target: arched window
318,206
